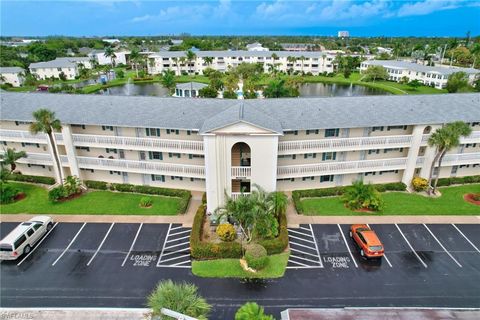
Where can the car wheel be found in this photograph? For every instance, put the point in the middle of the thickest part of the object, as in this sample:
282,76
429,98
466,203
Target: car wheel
351,235
27,249
49,226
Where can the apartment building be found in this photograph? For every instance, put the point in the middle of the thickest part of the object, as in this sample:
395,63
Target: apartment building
314,62
69,66
431,76
99,56
224,146
12,75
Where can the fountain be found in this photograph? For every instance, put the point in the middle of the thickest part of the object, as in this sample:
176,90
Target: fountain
128,86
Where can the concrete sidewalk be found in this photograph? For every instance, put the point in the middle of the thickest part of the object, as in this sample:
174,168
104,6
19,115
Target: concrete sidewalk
74,313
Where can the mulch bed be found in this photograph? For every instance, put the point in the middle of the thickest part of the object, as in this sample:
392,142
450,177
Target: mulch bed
19,197
469,198
70,197
364,210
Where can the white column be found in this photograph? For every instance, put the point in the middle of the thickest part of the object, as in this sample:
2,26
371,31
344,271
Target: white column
58,175
70,150
428,157
264,150
412,157
215,171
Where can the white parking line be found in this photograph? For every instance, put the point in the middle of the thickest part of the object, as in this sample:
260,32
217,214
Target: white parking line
298,238
303,252
411,248
346,244
174,234
177,245
133,243
182,256
164,243
101,244
384,255
466,238
297,257
316,247
173,252
70,244
181,238
301,233
175,228
302,264
441,245
38,244
301,245
303,228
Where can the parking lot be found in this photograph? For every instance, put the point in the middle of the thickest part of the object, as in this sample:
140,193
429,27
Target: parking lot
118,264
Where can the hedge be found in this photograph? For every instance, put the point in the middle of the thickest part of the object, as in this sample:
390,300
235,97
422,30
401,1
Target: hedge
33,179
206,250
442,182
184,195
297,195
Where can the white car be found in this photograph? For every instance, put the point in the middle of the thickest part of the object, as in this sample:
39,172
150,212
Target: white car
22,239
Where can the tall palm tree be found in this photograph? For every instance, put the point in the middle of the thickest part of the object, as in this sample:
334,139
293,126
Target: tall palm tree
208,60
445,139
191,56
302,58
110,53
176,61
182,60
46,122
11,156
134,56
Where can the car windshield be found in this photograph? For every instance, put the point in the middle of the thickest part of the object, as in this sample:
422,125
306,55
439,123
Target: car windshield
376,248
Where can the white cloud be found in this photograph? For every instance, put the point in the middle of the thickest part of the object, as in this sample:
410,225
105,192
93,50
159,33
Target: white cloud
271,9
428,6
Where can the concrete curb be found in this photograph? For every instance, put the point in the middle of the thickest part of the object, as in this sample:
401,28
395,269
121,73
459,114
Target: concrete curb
75,313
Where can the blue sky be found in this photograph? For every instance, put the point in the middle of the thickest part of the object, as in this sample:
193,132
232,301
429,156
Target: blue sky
279,17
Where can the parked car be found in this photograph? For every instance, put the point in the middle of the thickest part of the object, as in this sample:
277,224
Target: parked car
367,240
22,239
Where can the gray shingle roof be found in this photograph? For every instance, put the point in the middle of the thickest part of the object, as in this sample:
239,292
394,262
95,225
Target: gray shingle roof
191,85
418,67
274,114
57,63
11,70
240,53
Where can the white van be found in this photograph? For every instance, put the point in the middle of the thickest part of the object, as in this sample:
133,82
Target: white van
24,236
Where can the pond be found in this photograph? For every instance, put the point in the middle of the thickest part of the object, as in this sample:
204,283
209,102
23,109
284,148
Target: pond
337,90
137,89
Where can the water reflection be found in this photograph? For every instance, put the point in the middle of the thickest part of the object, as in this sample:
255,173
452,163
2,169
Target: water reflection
337,90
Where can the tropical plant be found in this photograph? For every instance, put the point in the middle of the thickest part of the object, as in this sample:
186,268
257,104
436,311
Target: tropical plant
445,139
8,192
110,53
208,92
252,311
180,297
46,122
228,94
146,202
208,60
226,232
419,184
277,88
190,56
168,80
120,74
414,84
457,82
134,59
10,157
362,196
72,185
176,61
376,72
57,193
256,256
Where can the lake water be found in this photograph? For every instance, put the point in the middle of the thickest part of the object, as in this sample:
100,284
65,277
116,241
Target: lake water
137,89
337,90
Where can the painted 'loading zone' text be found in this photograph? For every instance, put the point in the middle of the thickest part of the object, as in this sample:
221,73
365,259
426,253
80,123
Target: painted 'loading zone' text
337,262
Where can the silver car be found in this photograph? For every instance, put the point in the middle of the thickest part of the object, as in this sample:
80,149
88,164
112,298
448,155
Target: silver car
22,239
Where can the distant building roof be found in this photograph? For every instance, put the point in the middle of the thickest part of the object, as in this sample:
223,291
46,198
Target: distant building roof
240,53
191,85
278,115
62,62
405,65
10,70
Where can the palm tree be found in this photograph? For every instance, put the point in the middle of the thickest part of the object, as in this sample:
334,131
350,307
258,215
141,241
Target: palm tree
168,80
274,56
46,122
191,56
176,61
182,60
110,53
445,139
10,158
208,60
134,56
302,58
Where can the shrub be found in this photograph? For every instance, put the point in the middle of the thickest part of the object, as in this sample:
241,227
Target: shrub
204,198
180,297
476,196
32,179
205,250
99,185
57,193
120,74
363,196
256,256
226,232
419,184
442,182
146,202
122,187
278,244
252,311
227,94
7,192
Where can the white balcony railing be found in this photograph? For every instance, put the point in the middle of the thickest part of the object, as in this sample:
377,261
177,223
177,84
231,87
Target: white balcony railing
346,144
241,172
340,167
236,195
117,142
474,137
455,159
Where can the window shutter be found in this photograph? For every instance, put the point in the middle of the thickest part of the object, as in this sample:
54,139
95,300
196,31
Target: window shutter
147,132
150,155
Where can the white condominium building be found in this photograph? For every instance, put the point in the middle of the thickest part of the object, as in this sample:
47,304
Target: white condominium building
224,146
430,76
12,75
69,66
314,62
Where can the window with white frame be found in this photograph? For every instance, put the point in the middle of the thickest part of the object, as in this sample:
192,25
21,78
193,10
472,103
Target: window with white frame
326,156
332,132
158,177
327,178
152,132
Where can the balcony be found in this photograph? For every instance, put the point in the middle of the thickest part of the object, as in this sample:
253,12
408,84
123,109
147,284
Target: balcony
474,137
236,195
457,159
343,144
241,172
340,167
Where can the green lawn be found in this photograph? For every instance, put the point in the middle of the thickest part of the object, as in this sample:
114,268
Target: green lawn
93,202
399,203
230,268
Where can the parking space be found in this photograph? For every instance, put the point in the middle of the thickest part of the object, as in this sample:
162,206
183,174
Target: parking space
303,248
176,248
333,248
